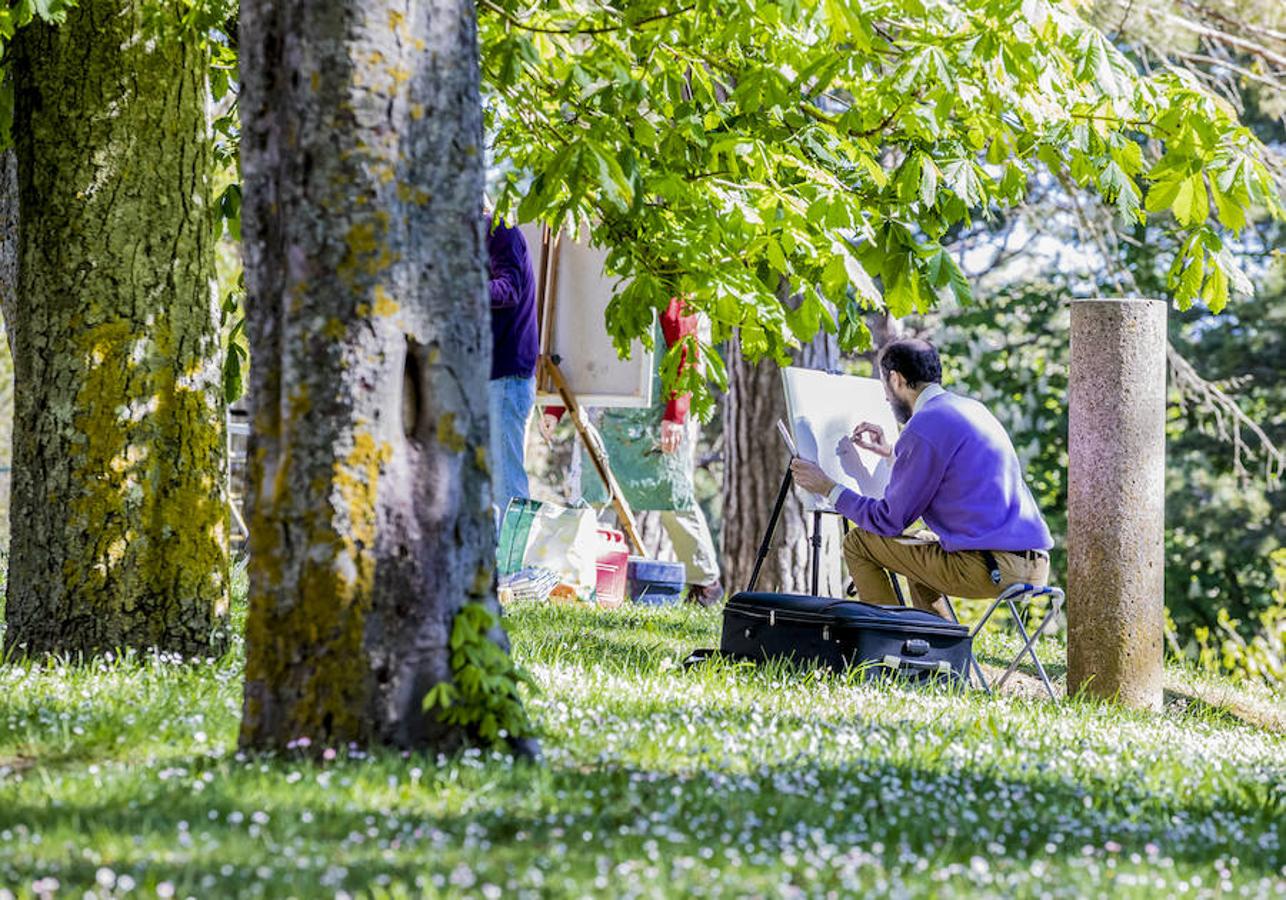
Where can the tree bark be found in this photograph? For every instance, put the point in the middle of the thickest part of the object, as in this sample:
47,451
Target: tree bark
369,498
755,460
119,515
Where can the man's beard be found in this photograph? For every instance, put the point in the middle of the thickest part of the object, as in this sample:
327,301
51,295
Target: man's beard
901,410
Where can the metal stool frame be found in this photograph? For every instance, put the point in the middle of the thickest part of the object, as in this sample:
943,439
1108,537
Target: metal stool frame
1010,596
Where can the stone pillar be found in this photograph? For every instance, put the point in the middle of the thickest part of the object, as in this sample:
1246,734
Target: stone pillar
1116,500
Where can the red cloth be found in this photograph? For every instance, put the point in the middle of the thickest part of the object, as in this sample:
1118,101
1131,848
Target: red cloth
674,326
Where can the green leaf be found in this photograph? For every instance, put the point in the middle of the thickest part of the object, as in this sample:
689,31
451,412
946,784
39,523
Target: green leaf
873,169
233,373
776,258
1161,195
962,178
1237,279
1119,189
947,279
645,132
929,174
835,277
1013,184
1191,205
805,320
861,281
1232,213
1103,64
1215,292
901,286
909,179
1191,279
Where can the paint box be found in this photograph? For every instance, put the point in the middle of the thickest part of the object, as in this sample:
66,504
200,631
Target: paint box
655,582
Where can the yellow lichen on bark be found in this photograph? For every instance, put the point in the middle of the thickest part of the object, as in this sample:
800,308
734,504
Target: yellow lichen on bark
152,515
384,304
448,436
102,438
190,508
329,601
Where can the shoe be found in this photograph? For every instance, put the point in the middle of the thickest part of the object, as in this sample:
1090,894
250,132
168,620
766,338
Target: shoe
707,595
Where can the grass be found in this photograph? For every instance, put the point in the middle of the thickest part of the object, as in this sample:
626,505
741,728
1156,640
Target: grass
122,778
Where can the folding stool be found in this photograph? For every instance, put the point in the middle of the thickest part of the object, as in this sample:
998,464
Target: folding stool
1011,596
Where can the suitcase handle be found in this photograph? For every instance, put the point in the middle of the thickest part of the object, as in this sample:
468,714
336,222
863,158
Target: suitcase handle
942,666
916,647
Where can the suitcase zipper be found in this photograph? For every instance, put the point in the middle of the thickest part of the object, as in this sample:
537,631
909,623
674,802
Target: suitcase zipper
946,628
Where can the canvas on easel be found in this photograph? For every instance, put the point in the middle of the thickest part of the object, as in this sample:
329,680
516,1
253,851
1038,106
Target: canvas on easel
571,298
823,408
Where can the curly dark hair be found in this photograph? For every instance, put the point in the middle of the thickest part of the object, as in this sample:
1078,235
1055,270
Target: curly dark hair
916,360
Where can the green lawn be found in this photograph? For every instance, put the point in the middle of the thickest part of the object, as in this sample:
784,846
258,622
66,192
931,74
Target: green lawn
123,778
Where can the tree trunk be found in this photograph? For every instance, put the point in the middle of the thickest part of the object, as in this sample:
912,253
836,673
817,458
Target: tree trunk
369,498
755,460
119,513
8,287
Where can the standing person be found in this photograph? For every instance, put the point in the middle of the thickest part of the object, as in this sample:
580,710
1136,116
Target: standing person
514,347
953,465
652,452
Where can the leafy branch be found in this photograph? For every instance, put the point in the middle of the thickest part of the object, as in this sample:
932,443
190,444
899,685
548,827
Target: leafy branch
482,695
581,29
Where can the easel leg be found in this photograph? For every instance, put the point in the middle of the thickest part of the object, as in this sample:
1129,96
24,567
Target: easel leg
593,448
772,526
817,550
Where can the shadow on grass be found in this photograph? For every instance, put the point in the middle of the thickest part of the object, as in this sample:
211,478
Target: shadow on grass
516,814
506,820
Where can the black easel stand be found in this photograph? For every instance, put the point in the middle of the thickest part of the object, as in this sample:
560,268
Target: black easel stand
816,543
817,550
772,526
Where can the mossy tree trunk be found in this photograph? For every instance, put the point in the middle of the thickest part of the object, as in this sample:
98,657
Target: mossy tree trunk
119,534
369,501
755,460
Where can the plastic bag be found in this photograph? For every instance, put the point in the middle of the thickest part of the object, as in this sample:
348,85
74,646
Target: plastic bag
545,536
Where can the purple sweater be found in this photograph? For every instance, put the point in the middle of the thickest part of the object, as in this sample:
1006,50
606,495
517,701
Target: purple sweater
954,465
514,344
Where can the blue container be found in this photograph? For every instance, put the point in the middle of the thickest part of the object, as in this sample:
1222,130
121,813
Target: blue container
654,582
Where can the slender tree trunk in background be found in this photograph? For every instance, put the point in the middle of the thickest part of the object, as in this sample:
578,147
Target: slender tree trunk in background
8,286
119,515
8,228
755,460
369,499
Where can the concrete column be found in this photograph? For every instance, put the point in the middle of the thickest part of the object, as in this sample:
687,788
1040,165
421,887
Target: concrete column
1116,500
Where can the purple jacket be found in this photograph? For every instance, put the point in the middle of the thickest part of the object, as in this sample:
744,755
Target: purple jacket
514,343
954,466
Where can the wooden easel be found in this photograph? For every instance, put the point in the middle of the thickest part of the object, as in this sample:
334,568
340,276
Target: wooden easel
549,375
597,453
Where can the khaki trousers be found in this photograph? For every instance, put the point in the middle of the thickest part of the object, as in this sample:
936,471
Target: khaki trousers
931,571
693,543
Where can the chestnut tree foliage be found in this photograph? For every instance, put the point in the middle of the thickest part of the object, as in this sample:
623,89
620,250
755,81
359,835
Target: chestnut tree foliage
718,147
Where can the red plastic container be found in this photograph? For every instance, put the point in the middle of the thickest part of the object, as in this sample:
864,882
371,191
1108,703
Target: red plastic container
612,563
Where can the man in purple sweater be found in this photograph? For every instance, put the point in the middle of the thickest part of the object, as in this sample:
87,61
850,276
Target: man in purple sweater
514,347
955,468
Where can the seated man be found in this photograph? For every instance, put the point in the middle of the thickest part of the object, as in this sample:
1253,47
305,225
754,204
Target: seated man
953,466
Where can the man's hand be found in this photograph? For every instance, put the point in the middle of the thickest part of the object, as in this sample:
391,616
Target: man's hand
547,424
810,477
871,437
671,436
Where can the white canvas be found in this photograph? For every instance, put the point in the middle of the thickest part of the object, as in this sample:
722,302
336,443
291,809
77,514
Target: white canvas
577,331
823,410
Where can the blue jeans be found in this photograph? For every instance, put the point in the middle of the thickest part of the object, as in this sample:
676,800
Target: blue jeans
511,400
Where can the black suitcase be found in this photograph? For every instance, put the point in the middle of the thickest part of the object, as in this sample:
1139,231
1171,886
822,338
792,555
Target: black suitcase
843,634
